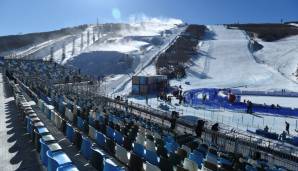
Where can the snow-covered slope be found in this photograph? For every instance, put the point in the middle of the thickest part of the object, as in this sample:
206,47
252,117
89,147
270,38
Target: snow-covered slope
140,43
281,55
225,61
43,50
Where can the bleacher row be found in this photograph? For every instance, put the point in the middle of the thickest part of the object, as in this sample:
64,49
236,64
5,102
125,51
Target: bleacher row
116,140
139,144
51,153
43,70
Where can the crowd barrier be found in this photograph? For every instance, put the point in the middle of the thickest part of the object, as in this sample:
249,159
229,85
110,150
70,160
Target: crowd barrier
191,97
265,93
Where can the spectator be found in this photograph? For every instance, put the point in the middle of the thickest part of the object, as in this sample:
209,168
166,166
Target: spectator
287,127
173,123
249,107
174,117
256,156
180,100
214,129
199,128
283,136
266,129
204,97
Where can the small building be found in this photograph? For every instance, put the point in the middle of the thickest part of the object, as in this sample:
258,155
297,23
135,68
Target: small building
149,85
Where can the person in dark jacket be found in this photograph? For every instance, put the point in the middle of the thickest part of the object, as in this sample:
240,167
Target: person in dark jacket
214,129
287,127
199,128
174,117
173,123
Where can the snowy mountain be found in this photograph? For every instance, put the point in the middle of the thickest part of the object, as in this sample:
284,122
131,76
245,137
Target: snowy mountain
225,58
225,61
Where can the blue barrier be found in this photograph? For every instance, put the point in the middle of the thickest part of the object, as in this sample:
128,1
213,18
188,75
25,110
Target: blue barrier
270,135
295,141
214,101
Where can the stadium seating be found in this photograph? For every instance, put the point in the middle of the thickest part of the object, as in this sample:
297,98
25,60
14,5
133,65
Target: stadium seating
121,138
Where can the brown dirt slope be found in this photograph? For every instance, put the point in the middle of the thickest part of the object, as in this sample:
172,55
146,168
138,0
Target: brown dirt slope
268,32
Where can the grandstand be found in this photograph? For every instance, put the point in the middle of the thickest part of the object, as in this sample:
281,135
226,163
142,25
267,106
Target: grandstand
112,134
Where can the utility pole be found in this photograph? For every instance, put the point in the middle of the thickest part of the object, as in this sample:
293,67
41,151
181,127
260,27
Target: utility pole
88,37
93,34
73,45
63,52
97,27
82,41
52,54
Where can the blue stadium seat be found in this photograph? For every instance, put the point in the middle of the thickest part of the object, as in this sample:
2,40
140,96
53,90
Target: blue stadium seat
43,152
171,147
98,157
139,149
100,139
69,132
80,123
197,157
151,157
91,121
57,159
119,137
29,125
86,148
249,167
67,167
110,132
109,165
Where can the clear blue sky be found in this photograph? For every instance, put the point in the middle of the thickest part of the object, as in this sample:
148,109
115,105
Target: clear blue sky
23,16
